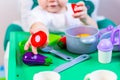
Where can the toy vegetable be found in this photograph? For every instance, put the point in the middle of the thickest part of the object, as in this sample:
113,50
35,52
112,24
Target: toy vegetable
62,42
36,59
73,7
38,39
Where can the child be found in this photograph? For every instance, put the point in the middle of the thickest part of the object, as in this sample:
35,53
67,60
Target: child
56,16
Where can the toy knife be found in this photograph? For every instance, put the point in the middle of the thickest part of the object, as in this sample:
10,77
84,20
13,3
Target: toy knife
53,51
71,63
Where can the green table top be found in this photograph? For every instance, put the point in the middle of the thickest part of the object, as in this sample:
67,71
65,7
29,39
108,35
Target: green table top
17,70
2,78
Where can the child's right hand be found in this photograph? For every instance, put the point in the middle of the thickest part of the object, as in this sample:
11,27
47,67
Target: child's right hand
29,43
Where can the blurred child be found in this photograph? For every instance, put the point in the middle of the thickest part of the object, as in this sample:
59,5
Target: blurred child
56,16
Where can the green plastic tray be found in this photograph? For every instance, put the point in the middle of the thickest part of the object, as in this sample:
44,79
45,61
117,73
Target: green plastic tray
17,70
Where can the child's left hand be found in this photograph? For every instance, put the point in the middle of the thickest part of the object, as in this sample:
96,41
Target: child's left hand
80,10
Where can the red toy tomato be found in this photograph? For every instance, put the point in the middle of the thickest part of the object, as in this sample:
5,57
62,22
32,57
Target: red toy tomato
73,5
62,42
38,39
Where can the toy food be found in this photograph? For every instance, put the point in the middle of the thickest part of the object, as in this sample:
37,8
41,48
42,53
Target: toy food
38,39
82,35
62,42
73,5
36,59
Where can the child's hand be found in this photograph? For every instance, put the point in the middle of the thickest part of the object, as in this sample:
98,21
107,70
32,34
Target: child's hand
80,10
29,43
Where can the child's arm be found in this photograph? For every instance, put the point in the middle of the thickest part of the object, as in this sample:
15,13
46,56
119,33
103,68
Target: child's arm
35,28
81,13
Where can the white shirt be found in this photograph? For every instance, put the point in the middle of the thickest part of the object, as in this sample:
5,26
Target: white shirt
54,22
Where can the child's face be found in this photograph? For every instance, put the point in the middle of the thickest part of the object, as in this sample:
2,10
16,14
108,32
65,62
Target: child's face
53,6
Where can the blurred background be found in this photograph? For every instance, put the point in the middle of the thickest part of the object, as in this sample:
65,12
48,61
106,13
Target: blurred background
9,12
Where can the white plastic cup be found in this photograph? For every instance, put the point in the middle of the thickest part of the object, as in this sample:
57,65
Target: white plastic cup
104,57
47,75
101,75
105,48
